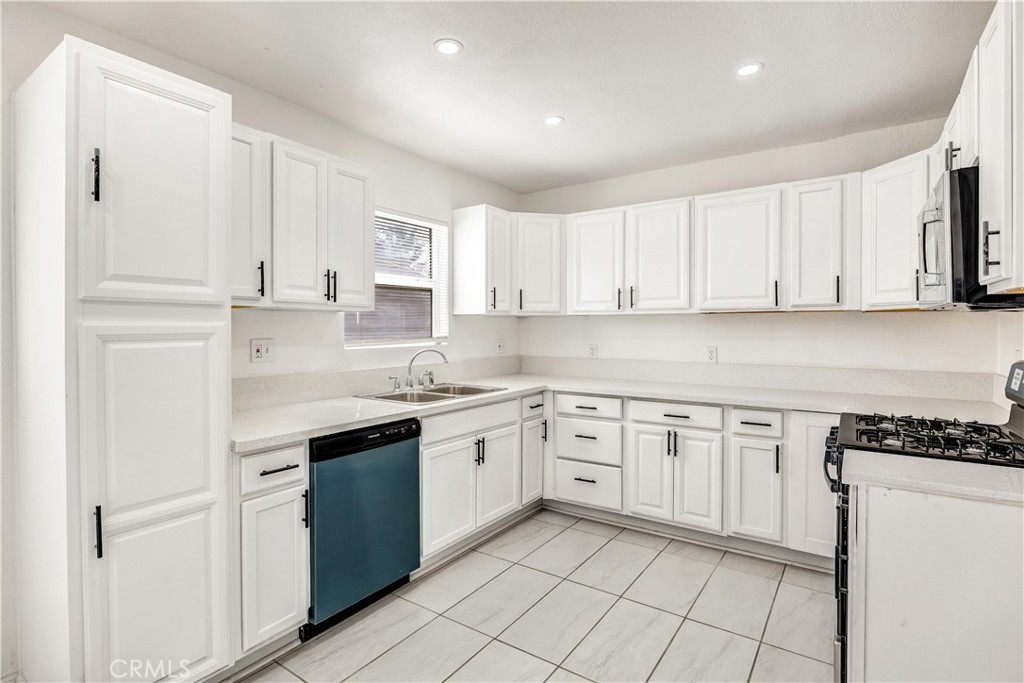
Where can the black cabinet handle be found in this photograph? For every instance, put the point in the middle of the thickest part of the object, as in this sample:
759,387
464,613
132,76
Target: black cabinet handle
305,503
262,269
584,436
327,292
483,450
479,453
917,283
494,297
619,298
279,469
678,417
668,445
544,435
334,279
675,447
986,233
520,298
99,532
96,175
776,293
589,481
837,289
776,459
632,304
586,407
755,424
538,405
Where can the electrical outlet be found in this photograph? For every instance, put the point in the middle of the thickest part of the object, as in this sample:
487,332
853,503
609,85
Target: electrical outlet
592,351
501,346
261,350
711,354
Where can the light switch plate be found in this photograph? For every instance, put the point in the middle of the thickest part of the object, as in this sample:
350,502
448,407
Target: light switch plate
261,350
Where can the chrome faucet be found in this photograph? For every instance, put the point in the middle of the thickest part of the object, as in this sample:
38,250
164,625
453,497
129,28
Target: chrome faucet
408,373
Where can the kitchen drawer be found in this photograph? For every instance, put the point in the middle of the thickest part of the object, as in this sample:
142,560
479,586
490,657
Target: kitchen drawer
681,414
596,485
590,440
532,406
447,426
272,469
757,422
589,406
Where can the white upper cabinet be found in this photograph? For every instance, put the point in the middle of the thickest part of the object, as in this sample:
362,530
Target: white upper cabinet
595,246
995,150
738,250
499,260
539,257
966,128
816,236
893,196
249,274
484,261
300,224
152,181
350,244
657,271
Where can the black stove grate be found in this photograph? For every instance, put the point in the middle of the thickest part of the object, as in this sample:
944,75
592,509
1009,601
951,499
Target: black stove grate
939,438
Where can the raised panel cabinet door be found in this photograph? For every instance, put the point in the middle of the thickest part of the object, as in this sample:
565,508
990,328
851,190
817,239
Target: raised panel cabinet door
300,224
499,261
995,147
249,274
698,480
810,504
275,565
448,493
497,475
816,233
154,410
738,250
595,246
658,256
151,183
950,142
967,113
533,439
893,196
755,489
539,263
350,231
649,471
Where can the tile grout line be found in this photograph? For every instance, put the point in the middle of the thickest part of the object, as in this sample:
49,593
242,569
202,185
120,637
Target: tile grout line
431,621
287,669
760,641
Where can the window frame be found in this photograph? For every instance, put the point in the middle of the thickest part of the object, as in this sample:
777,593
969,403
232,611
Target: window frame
439,284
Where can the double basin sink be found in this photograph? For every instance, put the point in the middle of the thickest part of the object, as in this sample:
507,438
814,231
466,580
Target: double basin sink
440,392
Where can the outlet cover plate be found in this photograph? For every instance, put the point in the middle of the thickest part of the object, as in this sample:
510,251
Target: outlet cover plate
261,350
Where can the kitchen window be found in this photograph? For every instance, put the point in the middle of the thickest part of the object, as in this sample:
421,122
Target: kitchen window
411,284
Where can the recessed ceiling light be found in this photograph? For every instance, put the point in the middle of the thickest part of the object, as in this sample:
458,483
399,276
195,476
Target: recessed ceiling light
447,46
750,69
554,120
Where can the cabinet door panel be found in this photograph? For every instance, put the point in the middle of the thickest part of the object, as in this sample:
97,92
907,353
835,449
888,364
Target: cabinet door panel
698,480
756,489
650,471
815,217
449,493
738,249
596,262
275,565
158,230
499,260
497,476
658,256
350,230
810,504
534,433
539,259
967,116
250,215
300,224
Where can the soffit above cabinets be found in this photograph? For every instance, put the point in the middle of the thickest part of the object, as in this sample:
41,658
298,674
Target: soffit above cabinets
641,85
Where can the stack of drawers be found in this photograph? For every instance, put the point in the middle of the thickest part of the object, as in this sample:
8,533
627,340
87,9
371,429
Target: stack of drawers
588,450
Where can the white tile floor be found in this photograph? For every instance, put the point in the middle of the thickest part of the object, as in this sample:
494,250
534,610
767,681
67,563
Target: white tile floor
556,598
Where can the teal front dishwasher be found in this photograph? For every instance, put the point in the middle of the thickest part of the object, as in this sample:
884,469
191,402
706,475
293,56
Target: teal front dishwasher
364,518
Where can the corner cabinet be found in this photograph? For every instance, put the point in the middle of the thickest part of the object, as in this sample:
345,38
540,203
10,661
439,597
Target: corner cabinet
893,196
738,250
122,477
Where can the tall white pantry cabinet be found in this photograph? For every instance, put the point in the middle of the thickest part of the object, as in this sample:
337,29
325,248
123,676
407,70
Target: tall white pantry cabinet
123,378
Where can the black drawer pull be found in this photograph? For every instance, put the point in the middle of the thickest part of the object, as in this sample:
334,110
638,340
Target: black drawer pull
99,532
534,407
589,481
586,407
678,417
279,469
305,504
584,436
755,424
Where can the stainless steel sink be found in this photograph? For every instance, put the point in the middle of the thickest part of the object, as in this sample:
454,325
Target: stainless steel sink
411,397
462,389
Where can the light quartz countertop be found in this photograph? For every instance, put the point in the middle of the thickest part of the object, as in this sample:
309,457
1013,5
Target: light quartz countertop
262,428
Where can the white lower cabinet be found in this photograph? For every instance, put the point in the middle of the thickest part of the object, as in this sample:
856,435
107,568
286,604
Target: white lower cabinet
275,565
649,463
810,504
755,489
448,481
589,484
534,436
497,475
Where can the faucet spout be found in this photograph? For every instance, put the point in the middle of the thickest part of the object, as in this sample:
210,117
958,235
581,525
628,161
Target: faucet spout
408,372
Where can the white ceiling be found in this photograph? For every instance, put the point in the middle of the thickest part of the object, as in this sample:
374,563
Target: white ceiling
642,85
